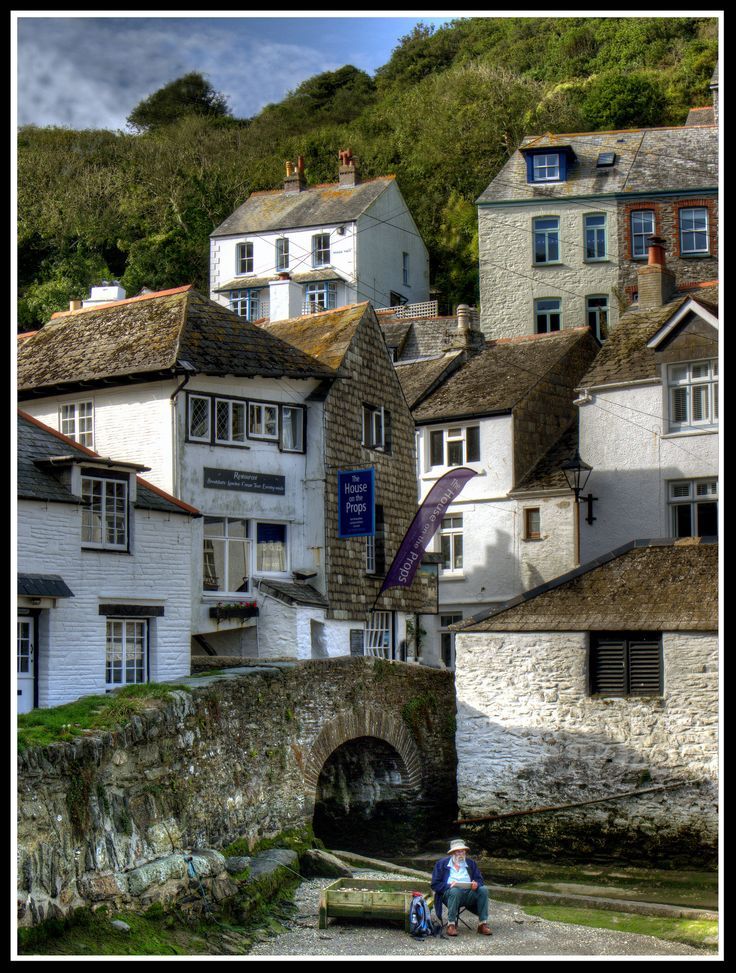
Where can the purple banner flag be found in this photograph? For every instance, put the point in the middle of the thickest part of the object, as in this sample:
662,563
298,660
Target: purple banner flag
424,526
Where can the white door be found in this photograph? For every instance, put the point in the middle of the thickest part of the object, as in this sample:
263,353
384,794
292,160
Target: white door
26,664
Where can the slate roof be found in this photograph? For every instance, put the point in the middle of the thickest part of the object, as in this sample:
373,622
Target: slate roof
241,283
424,337
500,376
650,160
148,336
625,357
38,443
43,586
294,593
325,336
546,474
650,585
701,116
417,378
315,206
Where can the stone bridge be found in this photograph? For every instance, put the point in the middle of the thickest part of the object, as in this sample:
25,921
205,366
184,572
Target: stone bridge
361,749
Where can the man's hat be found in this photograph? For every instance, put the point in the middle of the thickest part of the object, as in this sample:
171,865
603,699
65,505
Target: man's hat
457,844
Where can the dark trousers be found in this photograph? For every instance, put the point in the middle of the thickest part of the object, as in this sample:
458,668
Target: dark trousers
476,901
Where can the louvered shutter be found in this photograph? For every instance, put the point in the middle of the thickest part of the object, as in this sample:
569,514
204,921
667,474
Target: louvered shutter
645,669
608,666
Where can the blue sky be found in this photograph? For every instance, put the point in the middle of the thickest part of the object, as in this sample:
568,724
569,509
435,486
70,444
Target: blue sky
90,71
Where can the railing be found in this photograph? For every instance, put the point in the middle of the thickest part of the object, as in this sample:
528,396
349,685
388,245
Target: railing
425,309
315,307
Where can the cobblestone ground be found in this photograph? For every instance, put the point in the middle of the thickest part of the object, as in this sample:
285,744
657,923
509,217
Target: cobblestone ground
514,934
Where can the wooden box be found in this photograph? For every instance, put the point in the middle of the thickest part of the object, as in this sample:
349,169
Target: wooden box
371,898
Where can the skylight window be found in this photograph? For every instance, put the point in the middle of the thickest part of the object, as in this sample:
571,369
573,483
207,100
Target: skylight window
605,160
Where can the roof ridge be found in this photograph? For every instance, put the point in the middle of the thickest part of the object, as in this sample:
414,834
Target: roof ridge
128,300
492,342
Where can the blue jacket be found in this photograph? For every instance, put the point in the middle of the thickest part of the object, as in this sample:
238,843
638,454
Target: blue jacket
440,880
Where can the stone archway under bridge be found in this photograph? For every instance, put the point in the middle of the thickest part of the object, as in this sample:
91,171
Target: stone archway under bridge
367,786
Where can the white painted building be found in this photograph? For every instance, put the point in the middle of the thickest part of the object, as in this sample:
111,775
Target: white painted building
224,410
649,420
304,249
104,578
498,410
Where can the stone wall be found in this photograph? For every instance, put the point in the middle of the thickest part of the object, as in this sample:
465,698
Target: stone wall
237,758
530,735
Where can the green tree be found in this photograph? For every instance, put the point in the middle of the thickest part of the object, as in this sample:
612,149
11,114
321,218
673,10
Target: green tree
616,100
191,94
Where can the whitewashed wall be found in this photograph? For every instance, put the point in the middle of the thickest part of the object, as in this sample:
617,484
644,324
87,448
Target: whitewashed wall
624,438
132,424
554,553
529,735
386,230
72,658
510,281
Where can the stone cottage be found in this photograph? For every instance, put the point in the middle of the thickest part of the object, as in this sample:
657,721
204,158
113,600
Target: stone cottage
104,575
593,701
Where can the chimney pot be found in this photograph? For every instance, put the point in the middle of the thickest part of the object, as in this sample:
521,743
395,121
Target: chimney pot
655,251
74,305
296,180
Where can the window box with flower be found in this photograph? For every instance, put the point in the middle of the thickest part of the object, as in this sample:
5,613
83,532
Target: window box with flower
234,609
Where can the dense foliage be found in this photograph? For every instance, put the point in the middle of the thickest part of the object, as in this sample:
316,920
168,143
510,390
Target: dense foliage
443,114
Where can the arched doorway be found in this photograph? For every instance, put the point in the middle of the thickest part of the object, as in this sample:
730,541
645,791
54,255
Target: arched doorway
365,801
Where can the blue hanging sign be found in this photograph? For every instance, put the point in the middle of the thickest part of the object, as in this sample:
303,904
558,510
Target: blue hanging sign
356,509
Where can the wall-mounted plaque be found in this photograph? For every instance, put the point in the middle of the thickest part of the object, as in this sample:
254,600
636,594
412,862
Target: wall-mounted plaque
247,482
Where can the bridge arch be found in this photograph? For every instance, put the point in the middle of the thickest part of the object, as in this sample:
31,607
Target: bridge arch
365,721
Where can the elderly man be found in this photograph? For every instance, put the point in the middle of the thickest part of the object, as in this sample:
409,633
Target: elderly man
456,882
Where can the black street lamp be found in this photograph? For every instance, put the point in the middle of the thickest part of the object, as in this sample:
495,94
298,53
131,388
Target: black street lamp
576,473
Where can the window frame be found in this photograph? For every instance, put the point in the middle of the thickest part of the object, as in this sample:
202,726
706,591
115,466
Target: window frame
703,252
257,404
227,539
281,247
447,639
692,501
249,301
244,259
231,404
83,436
319,250
191,396
546,234
539,166
529,534
376,421
432,440
711,382
125,623
545,313
599,328
379,635
642,236
454,533
598,257
320,295
259,572
106,480
405,268
301,426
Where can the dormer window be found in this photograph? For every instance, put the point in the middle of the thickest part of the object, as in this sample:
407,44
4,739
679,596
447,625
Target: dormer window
546,168
105,512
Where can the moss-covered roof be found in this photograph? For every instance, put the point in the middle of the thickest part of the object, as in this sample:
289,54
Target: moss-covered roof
625,356
315,206
418,377
658,586
325,336
499,377
136,339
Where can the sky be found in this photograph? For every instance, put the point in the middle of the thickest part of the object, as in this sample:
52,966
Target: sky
90,71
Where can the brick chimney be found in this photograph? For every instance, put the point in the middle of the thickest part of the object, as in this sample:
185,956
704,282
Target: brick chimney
348,173
656,282
296,181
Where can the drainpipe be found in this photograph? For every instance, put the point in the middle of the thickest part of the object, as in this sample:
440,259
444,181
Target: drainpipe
189,371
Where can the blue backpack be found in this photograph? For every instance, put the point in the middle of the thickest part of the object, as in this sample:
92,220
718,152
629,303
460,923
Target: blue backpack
420,921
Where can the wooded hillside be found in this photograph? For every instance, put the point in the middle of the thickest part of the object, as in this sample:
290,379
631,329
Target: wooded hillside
443,115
